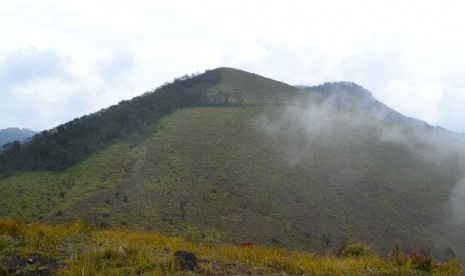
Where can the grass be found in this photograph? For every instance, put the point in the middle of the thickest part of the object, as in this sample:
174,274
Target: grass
253,89
80,248
36,196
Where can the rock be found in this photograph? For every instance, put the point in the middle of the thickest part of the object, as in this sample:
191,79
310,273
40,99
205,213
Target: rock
185,259
32,265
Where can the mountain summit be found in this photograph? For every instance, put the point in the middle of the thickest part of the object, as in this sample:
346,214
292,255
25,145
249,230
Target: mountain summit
227,156
342,88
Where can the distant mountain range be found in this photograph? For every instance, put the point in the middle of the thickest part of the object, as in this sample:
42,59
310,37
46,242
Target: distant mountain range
227,156
11,134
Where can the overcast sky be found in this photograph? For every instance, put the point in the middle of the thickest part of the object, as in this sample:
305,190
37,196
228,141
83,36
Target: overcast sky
62,59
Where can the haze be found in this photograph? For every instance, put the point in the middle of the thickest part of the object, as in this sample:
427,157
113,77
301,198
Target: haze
63,59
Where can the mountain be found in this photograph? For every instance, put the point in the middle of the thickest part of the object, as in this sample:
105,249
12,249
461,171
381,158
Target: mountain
227,156
11,134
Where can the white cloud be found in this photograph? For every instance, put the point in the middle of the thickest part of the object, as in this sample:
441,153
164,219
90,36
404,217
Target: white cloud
115,68
410,54
451,106
25,65
416,98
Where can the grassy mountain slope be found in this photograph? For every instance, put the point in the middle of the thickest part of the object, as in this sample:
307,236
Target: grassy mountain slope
307,172
250,88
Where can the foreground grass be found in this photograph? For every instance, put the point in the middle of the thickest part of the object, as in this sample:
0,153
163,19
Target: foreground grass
82,249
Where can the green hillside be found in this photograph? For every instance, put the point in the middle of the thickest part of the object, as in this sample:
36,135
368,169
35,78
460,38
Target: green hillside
272,164
243,87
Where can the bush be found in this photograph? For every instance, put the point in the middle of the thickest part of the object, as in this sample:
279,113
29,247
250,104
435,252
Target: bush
353,249
419,258
10,227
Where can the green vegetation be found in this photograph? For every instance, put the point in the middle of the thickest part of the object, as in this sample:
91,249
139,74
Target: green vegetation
34,196
229,156
82,249
239,87
213,174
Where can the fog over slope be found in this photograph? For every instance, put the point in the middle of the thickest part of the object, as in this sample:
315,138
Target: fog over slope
342,121
344,107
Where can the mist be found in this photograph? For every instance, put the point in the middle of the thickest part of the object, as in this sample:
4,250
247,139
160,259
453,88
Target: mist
320,119
458,202
348,131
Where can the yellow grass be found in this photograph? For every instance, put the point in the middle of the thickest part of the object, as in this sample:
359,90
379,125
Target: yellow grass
82,249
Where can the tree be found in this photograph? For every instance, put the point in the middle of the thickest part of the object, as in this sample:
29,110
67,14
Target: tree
60,159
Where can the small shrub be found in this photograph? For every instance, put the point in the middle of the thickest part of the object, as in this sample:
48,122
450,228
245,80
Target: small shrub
110,254
103,225
353,249
420,259
10,227
247,243
450,253
326,239
451,267
5,241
